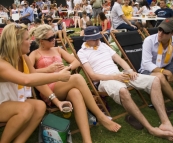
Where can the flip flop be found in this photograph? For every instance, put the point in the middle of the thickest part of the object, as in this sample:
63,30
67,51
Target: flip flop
134,122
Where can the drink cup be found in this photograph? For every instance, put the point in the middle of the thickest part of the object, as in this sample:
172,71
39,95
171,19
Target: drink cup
66,110
143,15
127,73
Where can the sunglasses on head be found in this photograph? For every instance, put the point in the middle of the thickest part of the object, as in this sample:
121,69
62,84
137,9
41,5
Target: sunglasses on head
50,39
161,30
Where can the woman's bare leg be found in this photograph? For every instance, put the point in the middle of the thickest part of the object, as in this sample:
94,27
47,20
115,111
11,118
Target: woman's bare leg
75,97
39,111
78,20
17,115
77,81
64,35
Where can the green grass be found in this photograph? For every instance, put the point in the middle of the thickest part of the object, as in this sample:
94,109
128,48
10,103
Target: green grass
127,134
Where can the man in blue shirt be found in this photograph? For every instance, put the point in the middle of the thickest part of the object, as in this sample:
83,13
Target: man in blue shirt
27,15
157,56
162,12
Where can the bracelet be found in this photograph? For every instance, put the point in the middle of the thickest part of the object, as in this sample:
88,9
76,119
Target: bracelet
52,96
161,70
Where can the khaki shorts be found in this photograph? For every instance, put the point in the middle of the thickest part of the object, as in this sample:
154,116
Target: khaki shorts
112,87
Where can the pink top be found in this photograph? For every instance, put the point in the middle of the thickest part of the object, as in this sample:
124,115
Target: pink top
45,61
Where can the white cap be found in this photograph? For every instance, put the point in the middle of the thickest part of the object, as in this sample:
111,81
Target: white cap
136,3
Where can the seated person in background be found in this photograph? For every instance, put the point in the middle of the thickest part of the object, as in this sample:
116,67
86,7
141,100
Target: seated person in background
88,23
105,23
162,12
48,59
84,20
145,10
119,21
87,7
157,56
154,6
76,19
55,27
135,6
128,13
99,61
22,115
27,15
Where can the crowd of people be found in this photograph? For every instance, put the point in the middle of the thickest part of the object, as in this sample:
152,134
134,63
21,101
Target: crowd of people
43,69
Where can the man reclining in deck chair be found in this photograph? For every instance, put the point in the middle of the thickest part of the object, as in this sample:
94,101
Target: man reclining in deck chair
157,56
98,60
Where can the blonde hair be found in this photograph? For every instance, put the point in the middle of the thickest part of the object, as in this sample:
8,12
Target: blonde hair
41,31
10,41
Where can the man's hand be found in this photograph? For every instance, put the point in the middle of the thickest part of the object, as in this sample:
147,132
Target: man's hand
168,75
122,77
133,26
133,75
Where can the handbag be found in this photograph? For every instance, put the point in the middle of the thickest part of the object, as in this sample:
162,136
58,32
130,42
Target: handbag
55,129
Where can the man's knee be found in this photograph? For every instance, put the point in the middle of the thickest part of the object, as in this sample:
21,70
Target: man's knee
160,77
124,95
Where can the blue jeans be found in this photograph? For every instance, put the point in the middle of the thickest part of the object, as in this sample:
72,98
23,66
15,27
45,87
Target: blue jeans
126,26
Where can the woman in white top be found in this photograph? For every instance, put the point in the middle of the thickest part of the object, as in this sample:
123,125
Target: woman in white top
145,10
15,10
87,7
84,20
20,114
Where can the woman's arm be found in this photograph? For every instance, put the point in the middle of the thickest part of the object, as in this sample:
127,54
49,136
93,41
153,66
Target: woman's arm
69,58
81,23
140,11
9,74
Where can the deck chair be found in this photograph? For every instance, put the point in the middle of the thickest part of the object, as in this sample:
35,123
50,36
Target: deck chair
150,31
130,45
77,42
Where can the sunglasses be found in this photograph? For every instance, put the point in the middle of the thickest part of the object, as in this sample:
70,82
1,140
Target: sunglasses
50,39
161,30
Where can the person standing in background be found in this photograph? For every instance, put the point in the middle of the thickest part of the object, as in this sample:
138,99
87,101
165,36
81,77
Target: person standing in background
97,8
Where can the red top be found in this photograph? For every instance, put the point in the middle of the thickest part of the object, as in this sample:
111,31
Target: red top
108,25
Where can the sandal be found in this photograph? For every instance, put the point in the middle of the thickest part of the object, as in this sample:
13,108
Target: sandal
133,122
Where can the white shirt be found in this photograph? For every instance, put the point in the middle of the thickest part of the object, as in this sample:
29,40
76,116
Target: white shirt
116,12
69,3
149,54
154,8
87,8
100,60
77,2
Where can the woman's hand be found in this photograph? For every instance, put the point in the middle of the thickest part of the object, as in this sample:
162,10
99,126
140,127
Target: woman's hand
64,75
61,103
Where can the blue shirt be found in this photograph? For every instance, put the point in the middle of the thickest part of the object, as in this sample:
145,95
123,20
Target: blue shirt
28,10
149,54
165,12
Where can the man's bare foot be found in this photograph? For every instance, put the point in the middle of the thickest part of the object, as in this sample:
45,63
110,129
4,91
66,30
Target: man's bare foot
109,124
166,127
162,134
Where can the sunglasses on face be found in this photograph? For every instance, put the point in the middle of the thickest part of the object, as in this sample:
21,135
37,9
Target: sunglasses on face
49,20
161,30
50,39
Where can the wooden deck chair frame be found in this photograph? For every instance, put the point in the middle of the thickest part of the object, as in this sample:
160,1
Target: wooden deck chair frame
150,31
94,90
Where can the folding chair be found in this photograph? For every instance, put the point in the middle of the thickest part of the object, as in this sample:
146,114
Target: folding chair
130,45
77,43
150,31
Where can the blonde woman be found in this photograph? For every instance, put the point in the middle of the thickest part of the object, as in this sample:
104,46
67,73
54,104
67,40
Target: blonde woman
48,59
22,115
